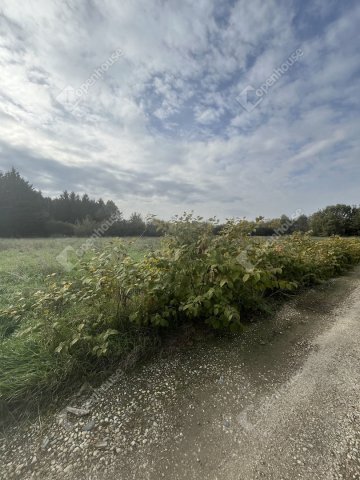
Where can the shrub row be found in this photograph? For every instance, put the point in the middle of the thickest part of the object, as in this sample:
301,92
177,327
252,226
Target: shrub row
112,302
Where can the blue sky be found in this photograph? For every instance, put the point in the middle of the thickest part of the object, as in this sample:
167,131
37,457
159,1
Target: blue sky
166,106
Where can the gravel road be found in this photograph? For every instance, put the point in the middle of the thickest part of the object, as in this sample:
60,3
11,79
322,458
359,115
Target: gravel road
281,401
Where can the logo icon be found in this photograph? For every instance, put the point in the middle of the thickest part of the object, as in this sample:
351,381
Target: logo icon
69,98
67,258
249,98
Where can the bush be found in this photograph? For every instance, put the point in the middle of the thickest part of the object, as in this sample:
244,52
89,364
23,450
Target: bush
114,302
85,228
55,227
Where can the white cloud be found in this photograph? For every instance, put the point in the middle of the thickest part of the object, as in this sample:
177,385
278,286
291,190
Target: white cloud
165,115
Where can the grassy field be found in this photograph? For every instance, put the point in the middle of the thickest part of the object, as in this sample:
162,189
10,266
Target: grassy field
24,263
59,327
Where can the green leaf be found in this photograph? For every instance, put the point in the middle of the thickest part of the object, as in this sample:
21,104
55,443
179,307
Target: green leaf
74,340
109,332
246,277
59,348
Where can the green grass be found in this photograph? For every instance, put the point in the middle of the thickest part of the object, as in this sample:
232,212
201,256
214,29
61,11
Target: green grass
24,263
56,331
32,367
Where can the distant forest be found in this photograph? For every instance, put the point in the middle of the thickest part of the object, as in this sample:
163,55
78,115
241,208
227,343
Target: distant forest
25,212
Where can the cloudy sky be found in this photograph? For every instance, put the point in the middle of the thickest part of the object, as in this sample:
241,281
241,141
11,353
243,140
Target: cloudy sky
234,108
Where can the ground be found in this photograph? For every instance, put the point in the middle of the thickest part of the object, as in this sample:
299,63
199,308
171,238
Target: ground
280,401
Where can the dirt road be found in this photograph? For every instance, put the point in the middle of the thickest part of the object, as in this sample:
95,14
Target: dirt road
281,401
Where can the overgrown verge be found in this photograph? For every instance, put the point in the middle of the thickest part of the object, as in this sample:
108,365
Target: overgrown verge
116,305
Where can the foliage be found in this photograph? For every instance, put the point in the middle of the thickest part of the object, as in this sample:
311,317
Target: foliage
24,212
22,208
336,220
58,228
70,207
114,301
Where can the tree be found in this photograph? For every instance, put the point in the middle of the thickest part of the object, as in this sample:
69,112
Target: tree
23,210
355,222
333,220
136,225
301,224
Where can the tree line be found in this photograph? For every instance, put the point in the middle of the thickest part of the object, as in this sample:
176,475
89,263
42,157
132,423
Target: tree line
25,212
337,219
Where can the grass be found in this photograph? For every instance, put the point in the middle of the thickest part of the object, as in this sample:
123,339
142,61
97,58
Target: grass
24,263
24,266
80,323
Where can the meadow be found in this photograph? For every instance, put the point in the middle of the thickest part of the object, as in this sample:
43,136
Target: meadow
24,263
59,327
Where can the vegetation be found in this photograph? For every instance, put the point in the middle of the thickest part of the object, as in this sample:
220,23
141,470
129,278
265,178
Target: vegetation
337,219
118,303
24,212
25,263
58,325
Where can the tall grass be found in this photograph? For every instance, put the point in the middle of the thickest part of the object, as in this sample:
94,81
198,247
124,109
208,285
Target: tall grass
118,301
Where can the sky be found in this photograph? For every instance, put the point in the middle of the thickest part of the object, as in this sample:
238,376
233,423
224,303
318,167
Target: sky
227,108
